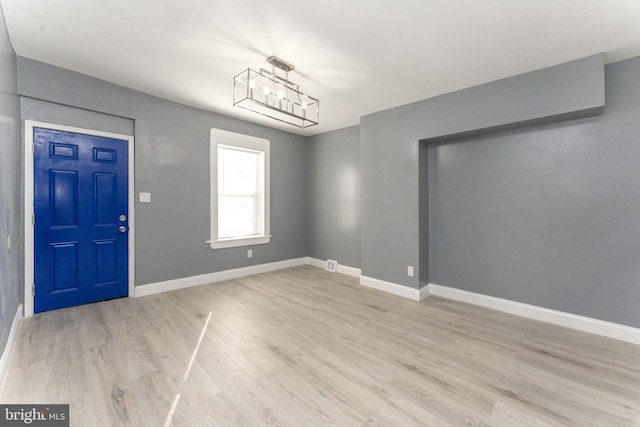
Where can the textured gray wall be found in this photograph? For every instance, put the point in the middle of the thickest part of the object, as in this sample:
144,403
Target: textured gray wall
423,212
548,215
172,163
389,150
334,196
10,260
43,111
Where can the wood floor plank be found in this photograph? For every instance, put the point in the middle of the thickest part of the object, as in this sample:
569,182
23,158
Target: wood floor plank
108,396
242,392
304,346
508,415
135,359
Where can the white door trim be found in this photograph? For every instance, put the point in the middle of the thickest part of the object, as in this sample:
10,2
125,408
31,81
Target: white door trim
28,204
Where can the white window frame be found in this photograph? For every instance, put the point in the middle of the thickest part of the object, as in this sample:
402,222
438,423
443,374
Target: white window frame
236,140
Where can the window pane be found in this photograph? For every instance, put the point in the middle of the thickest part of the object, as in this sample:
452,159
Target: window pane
239,190
238,171
236,216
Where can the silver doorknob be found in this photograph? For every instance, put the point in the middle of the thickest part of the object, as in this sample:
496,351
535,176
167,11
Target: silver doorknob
122,218
122,229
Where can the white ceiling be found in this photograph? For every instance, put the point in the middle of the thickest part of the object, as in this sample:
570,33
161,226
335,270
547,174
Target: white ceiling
356,56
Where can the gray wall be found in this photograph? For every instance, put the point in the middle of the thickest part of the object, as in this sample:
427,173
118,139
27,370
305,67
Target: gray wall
423,212
10,260
334,196
389,150
548,215
43,111
172,163
544,215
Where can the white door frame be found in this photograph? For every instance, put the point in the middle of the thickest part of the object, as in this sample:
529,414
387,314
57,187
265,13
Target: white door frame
29,247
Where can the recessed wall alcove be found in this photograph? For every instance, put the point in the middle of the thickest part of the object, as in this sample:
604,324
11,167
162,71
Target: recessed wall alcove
540,211
393,236
548,96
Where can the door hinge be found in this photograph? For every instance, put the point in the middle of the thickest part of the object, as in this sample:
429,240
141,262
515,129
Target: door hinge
33,219
33,289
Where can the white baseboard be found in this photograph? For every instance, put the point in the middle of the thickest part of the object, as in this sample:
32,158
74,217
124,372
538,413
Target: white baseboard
349,271
316,262
220,276
393,288
342,269
560,318
6,355
581,323
425,291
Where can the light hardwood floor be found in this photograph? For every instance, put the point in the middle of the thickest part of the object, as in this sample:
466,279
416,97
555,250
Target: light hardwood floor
304,347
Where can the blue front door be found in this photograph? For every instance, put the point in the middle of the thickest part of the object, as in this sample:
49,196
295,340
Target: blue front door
81,218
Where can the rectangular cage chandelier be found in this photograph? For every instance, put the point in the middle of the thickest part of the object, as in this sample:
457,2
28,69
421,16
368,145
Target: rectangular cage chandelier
273,95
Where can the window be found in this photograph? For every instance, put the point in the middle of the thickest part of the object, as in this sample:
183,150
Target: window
239,190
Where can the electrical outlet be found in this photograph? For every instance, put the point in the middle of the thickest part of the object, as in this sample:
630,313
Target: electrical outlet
249,253
410,271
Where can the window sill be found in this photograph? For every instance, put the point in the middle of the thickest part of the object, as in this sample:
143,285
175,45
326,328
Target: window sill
234,243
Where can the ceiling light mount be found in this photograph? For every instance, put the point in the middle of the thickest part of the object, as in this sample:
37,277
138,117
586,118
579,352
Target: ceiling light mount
273,95
279,63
